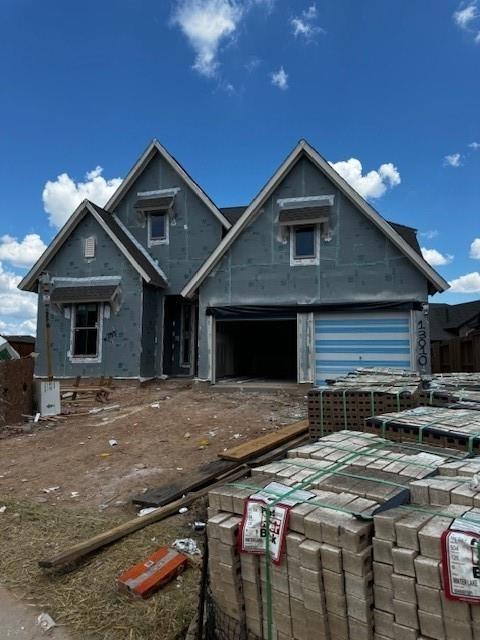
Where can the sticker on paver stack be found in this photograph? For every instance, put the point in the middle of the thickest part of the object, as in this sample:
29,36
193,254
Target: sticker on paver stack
461,564
253,538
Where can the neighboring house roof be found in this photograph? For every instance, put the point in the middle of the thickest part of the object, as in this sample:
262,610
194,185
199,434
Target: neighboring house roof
446,319
22,339
138,257
303,148
153,148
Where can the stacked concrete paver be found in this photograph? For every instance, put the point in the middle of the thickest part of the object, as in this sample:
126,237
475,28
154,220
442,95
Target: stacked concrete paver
343,577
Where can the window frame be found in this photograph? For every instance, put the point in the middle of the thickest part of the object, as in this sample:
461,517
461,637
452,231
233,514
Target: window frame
158,241
310,260
73,318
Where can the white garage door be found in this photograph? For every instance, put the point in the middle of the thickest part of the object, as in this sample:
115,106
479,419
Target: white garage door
344,342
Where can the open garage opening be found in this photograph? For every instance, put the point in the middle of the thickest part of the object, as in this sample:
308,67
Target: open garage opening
263,350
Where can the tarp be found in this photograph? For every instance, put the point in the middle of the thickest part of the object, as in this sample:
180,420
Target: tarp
289,312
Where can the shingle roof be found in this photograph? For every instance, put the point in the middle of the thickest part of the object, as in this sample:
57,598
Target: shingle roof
91,293
409,234
446,319
232,214
25,339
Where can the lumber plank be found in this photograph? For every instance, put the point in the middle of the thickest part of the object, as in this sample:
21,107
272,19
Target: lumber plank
196,480
278,452
255,447
81,549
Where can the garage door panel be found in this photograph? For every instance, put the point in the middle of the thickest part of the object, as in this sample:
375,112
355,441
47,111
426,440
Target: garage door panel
343,343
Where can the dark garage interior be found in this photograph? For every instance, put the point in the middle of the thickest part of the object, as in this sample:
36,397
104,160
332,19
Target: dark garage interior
259,349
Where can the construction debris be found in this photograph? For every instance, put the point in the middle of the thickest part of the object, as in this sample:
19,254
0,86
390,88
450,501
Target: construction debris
45,622
156,571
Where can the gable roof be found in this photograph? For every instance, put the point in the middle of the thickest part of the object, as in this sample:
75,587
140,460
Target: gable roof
138,257
149,153
303,148
446,318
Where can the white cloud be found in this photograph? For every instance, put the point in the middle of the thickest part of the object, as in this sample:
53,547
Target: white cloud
280,79
21,253
469,283
18,311
467,18
310,13
372,184
452,160
303,25
430,234
464,17
62,196
475,249
435,258
205,23
474,145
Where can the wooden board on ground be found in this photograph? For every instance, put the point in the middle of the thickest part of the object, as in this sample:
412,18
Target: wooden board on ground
78,551
203,476
254,448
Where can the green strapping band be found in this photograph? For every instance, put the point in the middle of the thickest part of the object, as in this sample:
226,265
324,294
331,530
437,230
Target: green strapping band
321,412
471,440
398,400
268,580
384,426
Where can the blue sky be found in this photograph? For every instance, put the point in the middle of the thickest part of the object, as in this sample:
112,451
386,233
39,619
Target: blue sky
388,89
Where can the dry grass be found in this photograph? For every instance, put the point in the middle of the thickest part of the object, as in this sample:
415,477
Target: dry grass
85,597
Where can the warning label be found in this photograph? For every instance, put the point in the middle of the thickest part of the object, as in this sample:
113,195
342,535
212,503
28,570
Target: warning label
461,565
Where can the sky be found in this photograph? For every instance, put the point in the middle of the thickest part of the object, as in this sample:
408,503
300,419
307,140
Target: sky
387,91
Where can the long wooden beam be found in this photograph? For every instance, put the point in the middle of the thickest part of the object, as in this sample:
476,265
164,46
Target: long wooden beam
81,549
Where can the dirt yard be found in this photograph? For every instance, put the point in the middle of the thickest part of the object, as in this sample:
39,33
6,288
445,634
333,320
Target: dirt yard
163,431
61,482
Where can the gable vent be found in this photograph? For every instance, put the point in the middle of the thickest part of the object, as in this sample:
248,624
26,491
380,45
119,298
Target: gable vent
89,247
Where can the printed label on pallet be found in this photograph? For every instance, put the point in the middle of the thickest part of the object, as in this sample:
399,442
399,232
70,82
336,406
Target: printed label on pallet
461,565
253,529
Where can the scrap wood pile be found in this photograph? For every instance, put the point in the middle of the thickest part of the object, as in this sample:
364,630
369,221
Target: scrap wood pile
360,562
348,401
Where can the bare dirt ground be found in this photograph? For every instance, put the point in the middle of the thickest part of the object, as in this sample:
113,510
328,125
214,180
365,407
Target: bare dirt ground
163,430
62,482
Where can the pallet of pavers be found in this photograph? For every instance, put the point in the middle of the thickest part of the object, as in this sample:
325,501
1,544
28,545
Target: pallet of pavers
349,400
410,560
456,428
323,587
459,390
